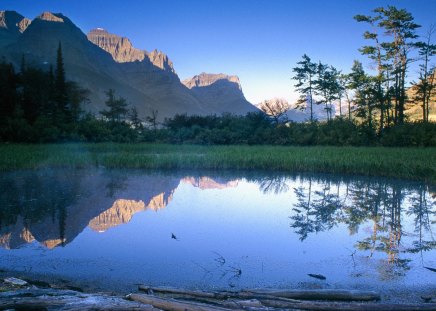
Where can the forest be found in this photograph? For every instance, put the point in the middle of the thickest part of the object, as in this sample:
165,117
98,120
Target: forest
40,107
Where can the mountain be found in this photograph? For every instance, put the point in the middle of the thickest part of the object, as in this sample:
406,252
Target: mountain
223,92
12,25
122,50
100,61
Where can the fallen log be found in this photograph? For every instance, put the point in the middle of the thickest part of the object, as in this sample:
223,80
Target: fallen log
344,306
171,290
43,299
319,294
173,305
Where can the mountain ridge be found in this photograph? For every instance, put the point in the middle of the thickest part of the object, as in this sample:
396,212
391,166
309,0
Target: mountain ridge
146,79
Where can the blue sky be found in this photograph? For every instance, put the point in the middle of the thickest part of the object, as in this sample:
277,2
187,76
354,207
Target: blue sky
258,40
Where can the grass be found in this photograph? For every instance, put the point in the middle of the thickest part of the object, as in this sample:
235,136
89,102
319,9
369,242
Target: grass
408,163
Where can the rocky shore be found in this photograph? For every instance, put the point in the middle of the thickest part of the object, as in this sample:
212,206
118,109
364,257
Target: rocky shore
20,294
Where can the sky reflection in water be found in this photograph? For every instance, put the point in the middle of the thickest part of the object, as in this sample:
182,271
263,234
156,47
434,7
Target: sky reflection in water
222,231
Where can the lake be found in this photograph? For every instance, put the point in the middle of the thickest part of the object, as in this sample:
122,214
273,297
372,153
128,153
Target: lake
114,229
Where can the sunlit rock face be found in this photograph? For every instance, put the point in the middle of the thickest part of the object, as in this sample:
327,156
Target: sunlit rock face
160,60
208,183
207,79
50,17
120,48
123,51
222,92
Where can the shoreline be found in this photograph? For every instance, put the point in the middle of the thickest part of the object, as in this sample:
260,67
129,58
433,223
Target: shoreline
34,294
398,295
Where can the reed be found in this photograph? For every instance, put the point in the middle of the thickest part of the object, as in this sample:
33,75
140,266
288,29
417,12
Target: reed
409,163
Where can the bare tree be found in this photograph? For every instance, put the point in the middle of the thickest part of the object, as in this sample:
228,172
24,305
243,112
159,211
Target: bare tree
276,108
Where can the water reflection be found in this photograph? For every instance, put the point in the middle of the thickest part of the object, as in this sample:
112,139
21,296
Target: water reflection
385,220
54,206
384,204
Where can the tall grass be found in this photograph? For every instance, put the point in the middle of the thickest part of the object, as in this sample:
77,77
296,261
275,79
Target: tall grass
410,163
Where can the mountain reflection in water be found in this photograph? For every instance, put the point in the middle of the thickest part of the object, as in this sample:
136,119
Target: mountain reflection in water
54,206
389,218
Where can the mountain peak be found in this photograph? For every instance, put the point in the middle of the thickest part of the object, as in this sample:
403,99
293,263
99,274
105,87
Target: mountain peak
120,48
207,79
161,60
123,51
13,21
52,17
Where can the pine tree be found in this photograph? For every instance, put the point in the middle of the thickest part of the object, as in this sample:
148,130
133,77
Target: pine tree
377,54
117,107
364,88
399,24
60,89
426,84
327,86
305,75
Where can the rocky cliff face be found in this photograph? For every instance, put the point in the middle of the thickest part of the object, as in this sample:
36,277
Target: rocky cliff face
207,79
120,48
160,60
224,92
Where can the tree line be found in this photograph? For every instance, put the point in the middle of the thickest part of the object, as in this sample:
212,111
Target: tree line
43,106
378,100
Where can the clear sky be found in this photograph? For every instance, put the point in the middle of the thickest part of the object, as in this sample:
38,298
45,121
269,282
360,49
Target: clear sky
258,40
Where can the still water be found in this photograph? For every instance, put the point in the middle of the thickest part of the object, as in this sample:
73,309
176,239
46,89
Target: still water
216,230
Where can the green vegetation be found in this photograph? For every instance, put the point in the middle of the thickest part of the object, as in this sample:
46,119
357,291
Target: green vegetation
411,163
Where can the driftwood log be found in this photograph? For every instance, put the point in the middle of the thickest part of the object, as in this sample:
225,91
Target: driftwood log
172,304
53,299
175,299
322,294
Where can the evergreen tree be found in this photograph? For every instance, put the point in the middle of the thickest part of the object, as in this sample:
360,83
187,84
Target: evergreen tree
400,25
377,54
305,75
426,84
8,90
363,85
135,120
327,86
60,89
117,107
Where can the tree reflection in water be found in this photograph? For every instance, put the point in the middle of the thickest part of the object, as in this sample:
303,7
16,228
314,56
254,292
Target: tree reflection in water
382,203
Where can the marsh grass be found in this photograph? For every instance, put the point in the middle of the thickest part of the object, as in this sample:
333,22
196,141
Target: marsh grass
410,163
